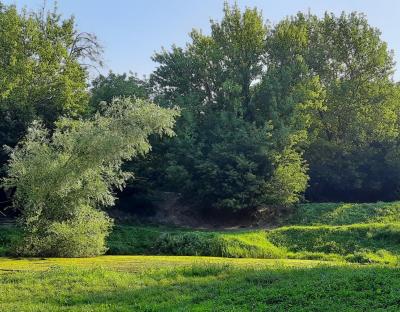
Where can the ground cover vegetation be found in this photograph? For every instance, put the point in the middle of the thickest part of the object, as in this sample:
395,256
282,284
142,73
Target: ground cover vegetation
356,233
143,283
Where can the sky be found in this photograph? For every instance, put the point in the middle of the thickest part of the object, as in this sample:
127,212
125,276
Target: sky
132,30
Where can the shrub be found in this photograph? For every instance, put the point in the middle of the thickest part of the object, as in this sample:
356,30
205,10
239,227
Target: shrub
84,234
188,244
63,177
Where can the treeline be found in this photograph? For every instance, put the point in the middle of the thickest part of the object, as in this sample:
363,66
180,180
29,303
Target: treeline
275,114
269,114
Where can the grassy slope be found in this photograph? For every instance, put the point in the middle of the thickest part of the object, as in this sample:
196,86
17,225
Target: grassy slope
144,283
345,214
365,233
349,232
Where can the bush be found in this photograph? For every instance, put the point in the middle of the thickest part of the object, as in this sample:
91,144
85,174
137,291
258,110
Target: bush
82,236
61,177
10,237
169,241
188,244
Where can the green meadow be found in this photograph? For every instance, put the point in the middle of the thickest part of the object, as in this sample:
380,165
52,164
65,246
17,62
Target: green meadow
347,264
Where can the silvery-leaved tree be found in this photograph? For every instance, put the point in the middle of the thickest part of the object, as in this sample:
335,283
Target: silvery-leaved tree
61,179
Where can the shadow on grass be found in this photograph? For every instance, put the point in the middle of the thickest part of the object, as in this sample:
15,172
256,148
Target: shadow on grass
211,288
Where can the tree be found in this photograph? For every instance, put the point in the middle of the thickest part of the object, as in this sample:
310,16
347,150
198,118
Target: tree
42,70
361,119
61,177
226,155
105,88
343,63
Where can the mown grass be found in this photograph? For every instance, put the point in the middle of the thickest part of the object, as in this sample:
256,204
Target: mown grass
146,283
345,236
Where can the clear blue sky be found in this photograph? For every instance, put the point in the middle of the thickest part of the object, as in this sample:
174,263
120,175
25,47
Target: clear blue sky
131,30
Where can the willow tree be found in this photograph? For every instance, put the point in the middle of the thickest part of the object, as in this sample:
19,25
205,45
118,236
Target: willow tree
61,179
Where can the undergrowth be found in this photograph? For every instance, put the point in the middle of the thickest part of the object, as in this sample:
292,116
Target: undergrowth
362,233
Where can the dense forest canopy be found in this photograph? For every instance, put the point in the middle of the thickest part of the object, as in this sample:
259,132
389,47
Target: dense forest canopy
272,112
305,109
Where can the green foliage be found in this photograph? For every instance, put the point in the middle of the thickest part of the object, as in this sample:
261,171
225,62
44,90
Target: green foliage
188,244
82,235
232,245
60,178
325,95
125,240
41,72
364,233
376,242
342,232
231,171
345,213
289,179
168,241
354,128
105,88
372,243
180,283
10,237
224,156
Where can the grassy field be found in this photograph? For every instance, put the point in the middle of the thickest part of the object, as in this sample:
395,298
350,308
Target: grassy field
323,257
358,233
161,283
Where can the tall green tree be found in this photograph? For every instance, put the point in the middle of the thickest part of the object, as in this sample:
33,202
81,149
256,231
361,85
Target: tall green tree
226,155
44,64
341,64
42,70
359,120
61,179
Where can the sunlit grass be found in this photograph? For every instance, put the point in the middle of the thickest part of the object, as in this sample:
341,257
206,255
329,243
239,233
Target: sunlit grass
162,283
141,263
345,213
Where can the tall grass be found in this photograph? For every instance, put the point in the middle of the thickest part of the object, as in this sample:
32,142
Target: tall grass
345,213
364,233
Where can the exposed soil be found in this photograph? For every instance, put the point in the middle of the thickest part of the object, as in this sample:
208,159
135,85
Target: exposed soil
170,209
